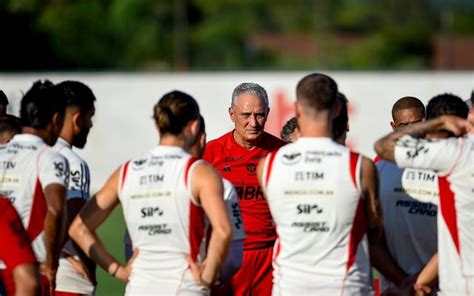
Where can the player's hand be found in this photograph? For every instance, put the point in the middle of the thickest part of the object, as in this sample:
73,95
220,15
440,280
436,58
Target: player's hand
123,272
457,125
421,290
196,271
80,268
50,274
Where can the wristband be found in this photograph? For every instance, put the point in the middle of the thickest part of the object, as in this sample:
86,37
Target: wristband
115,271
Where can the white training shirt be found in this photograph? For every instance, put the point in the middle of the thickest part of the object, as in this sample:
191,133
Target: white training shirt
28,166
409,199
453,160
164,221
67,278
313,190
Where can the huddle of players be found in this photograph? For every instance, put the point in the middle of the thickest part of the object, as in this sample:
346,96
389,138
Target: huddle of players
317,199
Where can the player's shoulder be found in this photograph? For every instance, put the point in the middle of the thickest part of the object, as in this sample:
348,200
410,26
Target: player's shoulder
72,157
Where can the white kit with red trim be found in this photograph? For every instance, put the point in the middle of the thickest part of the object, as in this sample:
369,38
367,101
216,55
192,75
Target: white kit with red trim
28,166
313,190
164,221
409,199
68,279
453,160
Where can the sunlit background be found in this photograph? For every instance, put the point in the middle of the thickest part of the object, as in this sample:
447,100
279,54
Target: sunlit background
130,52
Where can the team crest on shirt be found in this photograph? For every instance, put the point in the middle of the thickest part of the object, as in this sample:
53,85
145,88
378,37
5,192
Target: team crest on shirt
291,158
251,168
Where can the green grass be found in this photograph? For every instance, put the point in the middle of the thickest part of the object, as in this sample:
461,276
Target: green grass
111,234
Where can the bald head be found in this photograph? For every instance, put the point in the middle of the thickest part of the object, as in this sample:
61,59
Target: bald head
406,111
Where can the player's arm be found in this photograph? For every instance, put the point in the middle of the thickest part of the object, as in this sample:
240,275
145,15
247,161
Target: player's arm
26,279
54,228
385,147
207,187
92,215
379,255
428,277
16,252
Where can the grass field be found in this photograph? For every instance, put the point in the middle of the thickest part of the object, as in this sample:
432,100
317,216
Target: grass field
111,233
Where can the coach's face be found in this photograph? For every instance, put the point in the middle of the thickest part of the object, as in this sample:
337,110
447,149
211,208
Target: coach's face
249,116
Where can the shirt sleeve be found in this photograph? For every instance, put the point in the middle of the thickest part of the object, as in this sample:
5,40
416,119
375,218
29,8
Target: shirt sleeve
233,210
437,155
79,180
53,169
18,250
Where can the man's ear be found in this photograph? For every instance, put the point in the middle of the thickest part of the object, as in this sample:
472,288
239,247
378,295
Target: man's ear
336,109
297,109
392,124
232,114
77,121
194,127
58,119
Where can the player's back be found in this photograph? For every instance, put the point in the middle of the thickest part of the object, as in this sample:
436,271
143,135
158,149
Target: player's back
163,219
453,160
409,199
313,191
456,235
29,165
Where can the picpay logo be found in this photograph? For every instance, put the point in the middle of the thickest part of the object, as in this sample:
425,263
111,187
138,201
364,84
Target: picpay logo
151,212
308,209
291,158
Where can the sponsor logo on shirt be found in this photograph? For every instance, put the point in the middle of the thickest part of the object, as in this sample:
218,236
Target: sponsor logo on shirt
418,208
151,212
150,179
155,229
309,176
236,215
292,158
249,192
308,209
319,226
226,169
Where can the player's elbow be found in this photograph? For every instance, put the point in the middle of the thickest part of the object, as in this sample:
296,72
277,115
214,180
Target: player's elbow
223,232
378,147
77,229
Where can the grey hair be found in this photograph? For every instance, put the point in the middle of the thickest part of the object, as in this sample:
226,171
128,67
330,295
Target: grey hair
250,88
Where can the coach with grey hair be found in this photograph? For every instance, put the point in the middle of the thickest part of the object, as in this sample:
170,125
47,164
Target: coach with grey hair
236,155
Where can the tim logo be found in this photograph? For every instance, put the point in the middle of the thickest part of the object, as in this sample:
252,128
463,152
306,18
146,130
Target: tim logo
291,158
251,168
